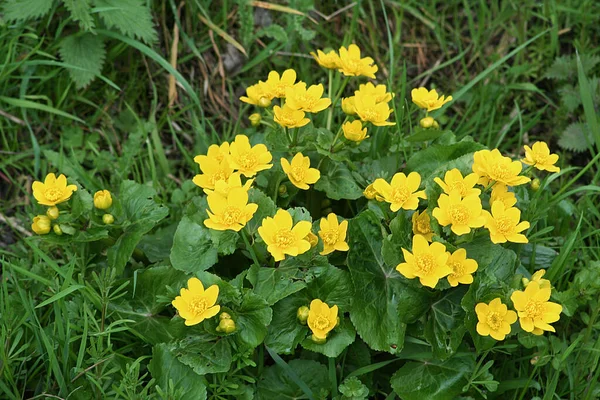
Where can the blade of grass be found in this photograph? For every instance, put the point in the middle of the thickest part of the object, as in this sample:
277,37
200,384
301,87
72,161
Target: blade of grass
588,103
32,105
60,295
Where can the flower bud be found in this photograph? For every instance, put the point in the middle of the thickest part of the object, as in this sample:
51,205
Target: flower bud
255,119
312,239
348,105
317,340
302,314
57,230
226,326
534,360
224,315
282,189
108,219
426,122
435,125
53,212
264,102
41,225
370,192
102,199
535,184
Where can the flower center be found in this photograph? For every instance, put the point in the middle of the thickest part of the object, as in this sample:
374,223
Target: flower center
458,269
247,160
400,194
459,214
279,89
330,236
500,172
425,263
539,158
298,173
284,238
534,309
53,194
287,118
460,186
494,320
218,176
307,101
321,322
198,305
371,115
423,226
504,225
231,215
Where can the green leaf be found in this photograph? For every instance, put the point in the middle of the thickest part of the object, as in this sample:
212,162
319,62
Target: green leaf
81,11
21,10
140,213
193,249
252,317
131,17
285,331
86,53
274,31
133,146
339,338
425,162
563,68
274,284
276,384
433,379
83,203
445,328
204,357
353,389
576,137
165,367
424,135
266,208
338,183
383,299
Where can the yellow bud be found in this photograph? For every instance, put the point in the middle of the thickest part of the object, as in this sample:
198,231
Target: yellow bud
534,360
264,102
317,340
41,225
370,192
535,184
302,314
348,106
435,125
282,189
426,122
224,315
53,212
102,199
255,119
226,326
108,219
57,230
312,239
525,282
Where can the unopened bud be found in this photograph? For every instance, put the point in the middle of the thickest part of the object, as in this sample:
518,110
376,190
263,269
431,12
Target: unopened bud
535,184
226,326
53,212
426,122
102,199
282,189
264,102
224,315
57,230
435,125
534,360
255,119
41,225
312,239
348,106
108,219
317,340
302,314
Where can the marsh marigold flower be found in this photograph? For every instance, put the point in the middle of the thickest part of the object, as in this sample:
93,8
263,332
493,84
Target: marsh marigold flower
492,166
288,117
427,262
258,94
282,237
195,304
230,212
403,192
369,110
351,64
421,225
536,313
299,97
503,224
277,86
223,187
348,105
212,172
53,190
333,234
539,156
500,193
495,319
299,171
247,159
453,180
428,99
41,225
379,92
321,318
102,199
462,268
370,193
329,60
461,214
354,131
537,277
216,152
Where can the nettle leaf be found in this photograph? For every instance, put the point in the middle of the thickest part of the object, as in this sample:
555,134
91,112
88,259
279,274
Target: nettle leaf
165,367
140,213
86,53
433,379
445,328
21,10
563,68
81,11
341,337
570,97
383,300
276,384
576,137
132,17
338,183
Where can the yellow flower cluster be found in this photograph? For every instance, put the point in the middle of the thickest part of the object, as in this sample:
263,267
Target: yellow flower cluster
370,104
349,61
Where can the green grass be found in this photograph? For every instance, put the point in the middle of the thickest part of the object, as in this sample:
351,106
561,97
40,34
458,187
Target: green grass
62,332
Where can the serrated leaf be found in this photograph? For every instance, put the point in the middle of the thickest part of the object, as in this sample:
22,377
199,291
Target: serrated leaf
569,97
131,17
274,31
576,137
563,68
86,53
81,12
21,10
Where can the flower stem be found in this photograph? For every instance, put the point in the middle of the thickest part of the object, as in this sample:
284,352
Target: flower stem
329,94
337,97
249,246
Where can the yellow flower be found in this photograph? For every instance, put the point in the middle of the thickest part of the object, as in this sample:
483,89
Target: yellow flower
223,187
453,180
277,86
282,237
379,92
321,318
53,191
421,225
299,97
503,224
500,193
299,171
215,152
249,160
354,131
369,110
333,234
41,224
494,319
461,214
429,100
102,199
539,156
492,166
537,277
258,95
212,172
350,63
427,262
348,105
230,212
536,313
328,60
402,192
312,239
196,304
462,268
288,117
370,192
